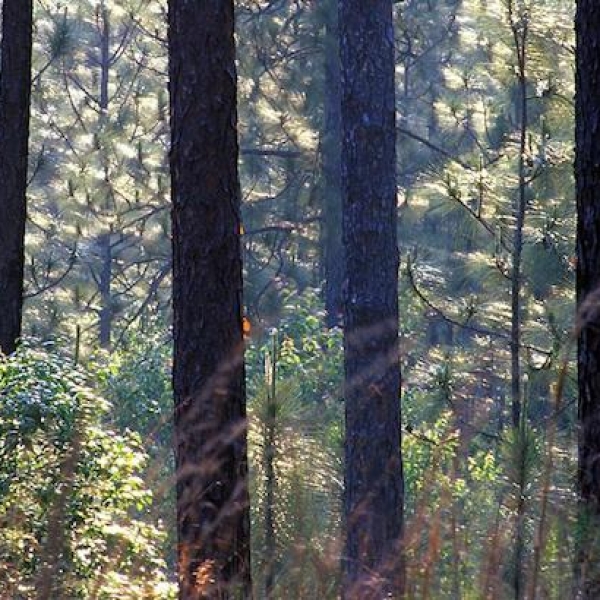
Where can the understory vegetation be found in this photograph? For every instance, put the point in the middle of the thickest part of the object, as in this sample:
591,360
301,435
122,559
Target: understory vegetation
87,474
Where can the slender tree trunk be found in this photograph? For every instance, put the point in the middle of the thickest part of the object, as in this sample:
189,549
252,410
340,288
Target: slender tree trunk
373,496
520,28
331,149
104,281
104,59
587,174
518,581
15,92
208,371
269,465
105,241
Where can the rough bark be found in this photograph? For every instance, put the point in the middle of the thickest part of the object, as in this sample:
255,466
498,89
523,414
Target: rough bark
587,173
373,498
15,91
210,420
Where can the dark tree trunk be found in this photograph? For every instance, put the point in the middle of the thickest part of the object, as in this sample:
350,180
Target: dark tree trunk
104,61
519,27
587,173
210,419
105,241
104,284
15,91
373,501
333,250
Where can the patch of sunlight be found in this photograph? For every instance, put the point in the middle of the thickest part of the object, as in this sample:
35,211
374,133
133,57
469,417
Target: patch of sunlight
454,78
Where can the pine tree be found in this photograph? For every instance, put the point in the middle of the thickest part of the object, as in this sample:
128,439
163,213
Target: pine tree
373,497
587,173
332,251
15,93
99,251
208,369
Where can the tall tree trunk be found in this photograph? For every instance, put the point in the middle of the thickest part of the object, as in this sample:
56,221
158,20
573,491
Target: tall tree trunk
105,241
15,92
333,249
587,174
210,418
373,497
519,25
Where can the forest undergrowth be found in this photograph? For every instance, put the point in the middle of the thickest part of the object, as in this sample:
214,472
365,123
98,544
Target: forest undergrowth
87,476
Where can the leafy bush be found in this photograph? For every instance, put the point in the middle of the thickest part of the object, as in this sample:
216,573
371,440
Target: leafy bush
73,508
137,382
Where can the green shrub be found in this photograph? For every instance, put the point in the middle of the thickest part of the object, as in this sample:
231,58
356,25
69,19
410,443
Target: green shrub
73,508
